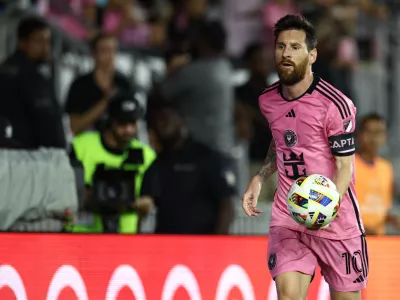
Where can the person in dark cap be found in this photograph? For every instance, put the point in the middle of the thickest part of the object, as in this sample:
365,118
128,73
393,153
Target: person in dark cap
114,147
121,125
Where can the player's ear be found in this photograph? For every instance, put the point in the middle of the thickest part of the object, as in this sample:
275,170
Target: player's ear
313,55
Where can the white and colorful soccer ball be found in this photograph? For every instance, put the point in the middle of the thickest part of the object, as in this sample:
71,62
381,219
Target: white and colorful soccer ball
313,201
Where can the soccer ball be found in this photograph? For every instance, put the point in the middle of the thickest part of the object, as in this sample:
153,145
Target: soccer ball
313,201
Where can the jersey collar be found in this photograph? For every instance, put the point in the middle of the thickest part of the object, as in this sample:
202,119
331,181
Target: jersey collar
309,91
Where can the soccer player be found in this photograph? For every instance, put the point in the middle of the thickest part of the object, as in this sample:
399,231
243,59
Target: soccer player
312,124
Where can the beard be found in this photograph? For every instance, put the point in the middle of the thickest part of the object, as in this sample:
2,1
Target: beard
170,139
122,141
168,142
291,76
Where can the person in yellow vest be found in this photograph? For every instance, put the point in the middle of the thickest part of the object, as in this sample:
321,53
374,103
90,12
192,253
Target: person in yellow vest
375,180
111,147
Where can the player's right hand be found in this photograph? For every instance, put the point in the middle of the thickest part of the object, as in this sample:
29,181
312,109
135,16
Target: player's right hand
250,197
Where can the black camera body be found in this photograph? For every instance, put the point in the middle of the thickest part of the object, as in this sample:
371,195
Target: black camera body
113,189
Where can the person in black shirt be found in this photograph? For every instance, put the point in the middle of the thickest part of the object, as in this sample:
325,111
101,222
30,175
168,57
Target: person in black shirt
90,94
28,99
250,123
196,183
247,98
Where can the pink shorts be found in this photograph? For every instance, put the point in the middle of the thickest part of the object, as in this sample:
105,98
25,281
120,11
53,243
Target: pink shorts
344,263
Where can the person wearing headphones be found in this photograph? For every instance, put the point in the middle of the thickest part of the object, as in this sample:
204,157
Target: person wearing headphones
114,147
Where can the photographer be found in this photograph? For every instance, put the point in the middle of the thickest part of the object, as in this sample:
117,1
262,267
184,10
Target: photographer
121,187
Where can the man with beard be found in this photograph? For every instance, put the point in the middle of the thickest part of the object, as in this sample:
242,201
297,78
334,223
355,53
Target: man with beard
312,124
197,183
116,148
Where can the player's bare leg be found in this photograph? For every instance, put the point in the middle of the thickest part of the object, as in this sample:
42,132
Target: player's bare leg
345,295
292,286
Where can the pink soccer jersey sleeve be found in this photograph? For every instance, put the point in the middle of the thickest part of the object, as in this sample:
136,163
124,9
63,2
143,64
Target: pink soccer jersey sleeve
340,127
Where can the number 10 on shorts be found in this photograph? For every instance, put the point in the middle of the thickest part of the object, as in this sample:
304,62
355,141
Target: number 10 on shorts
354,260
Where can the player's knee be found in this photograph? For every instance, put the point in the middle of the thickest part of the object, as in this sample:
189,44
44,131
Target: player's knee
287,291
290,293
291,286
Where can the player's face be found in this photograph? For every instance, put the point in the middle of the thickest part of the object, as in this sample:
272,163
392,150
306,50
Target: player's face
292,58
105,52
124,132
373,136
38,45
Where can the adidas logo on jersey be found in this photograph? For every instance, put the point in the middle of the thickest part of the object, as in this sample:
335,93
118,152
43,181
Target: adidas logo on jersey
290,114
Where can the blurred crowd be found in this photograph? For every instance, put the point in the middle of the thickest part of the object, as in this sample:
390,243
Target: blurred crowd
196,117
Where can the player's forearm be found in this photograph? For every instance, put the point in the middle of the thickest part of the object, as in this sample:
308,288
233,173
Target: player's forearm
344,173
269,166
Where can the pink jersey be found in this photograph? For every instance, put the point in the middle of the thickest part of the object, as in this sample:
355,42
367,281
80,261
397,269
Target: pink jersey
308,132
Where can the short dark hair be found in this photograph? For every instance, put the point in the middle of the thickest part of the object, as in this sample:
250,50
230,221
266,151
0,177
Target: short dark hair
98,38
212,33
297,22
251,50
29,25
153,112
370,117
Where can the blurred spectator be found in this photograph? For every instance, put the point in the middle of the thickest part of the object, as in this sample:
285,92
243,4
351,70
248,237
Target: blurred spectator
90,94
197,183
377,10
316,10
101,3
77,17
374,184
272,11
258,133
329,37
186,14
346,59
337,52
242,20
111,147
27,89
128,21
202,89
257,63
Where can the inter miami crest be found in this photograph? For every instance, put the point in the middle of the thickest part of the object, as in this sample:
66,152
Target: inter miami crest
290,138
272,261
